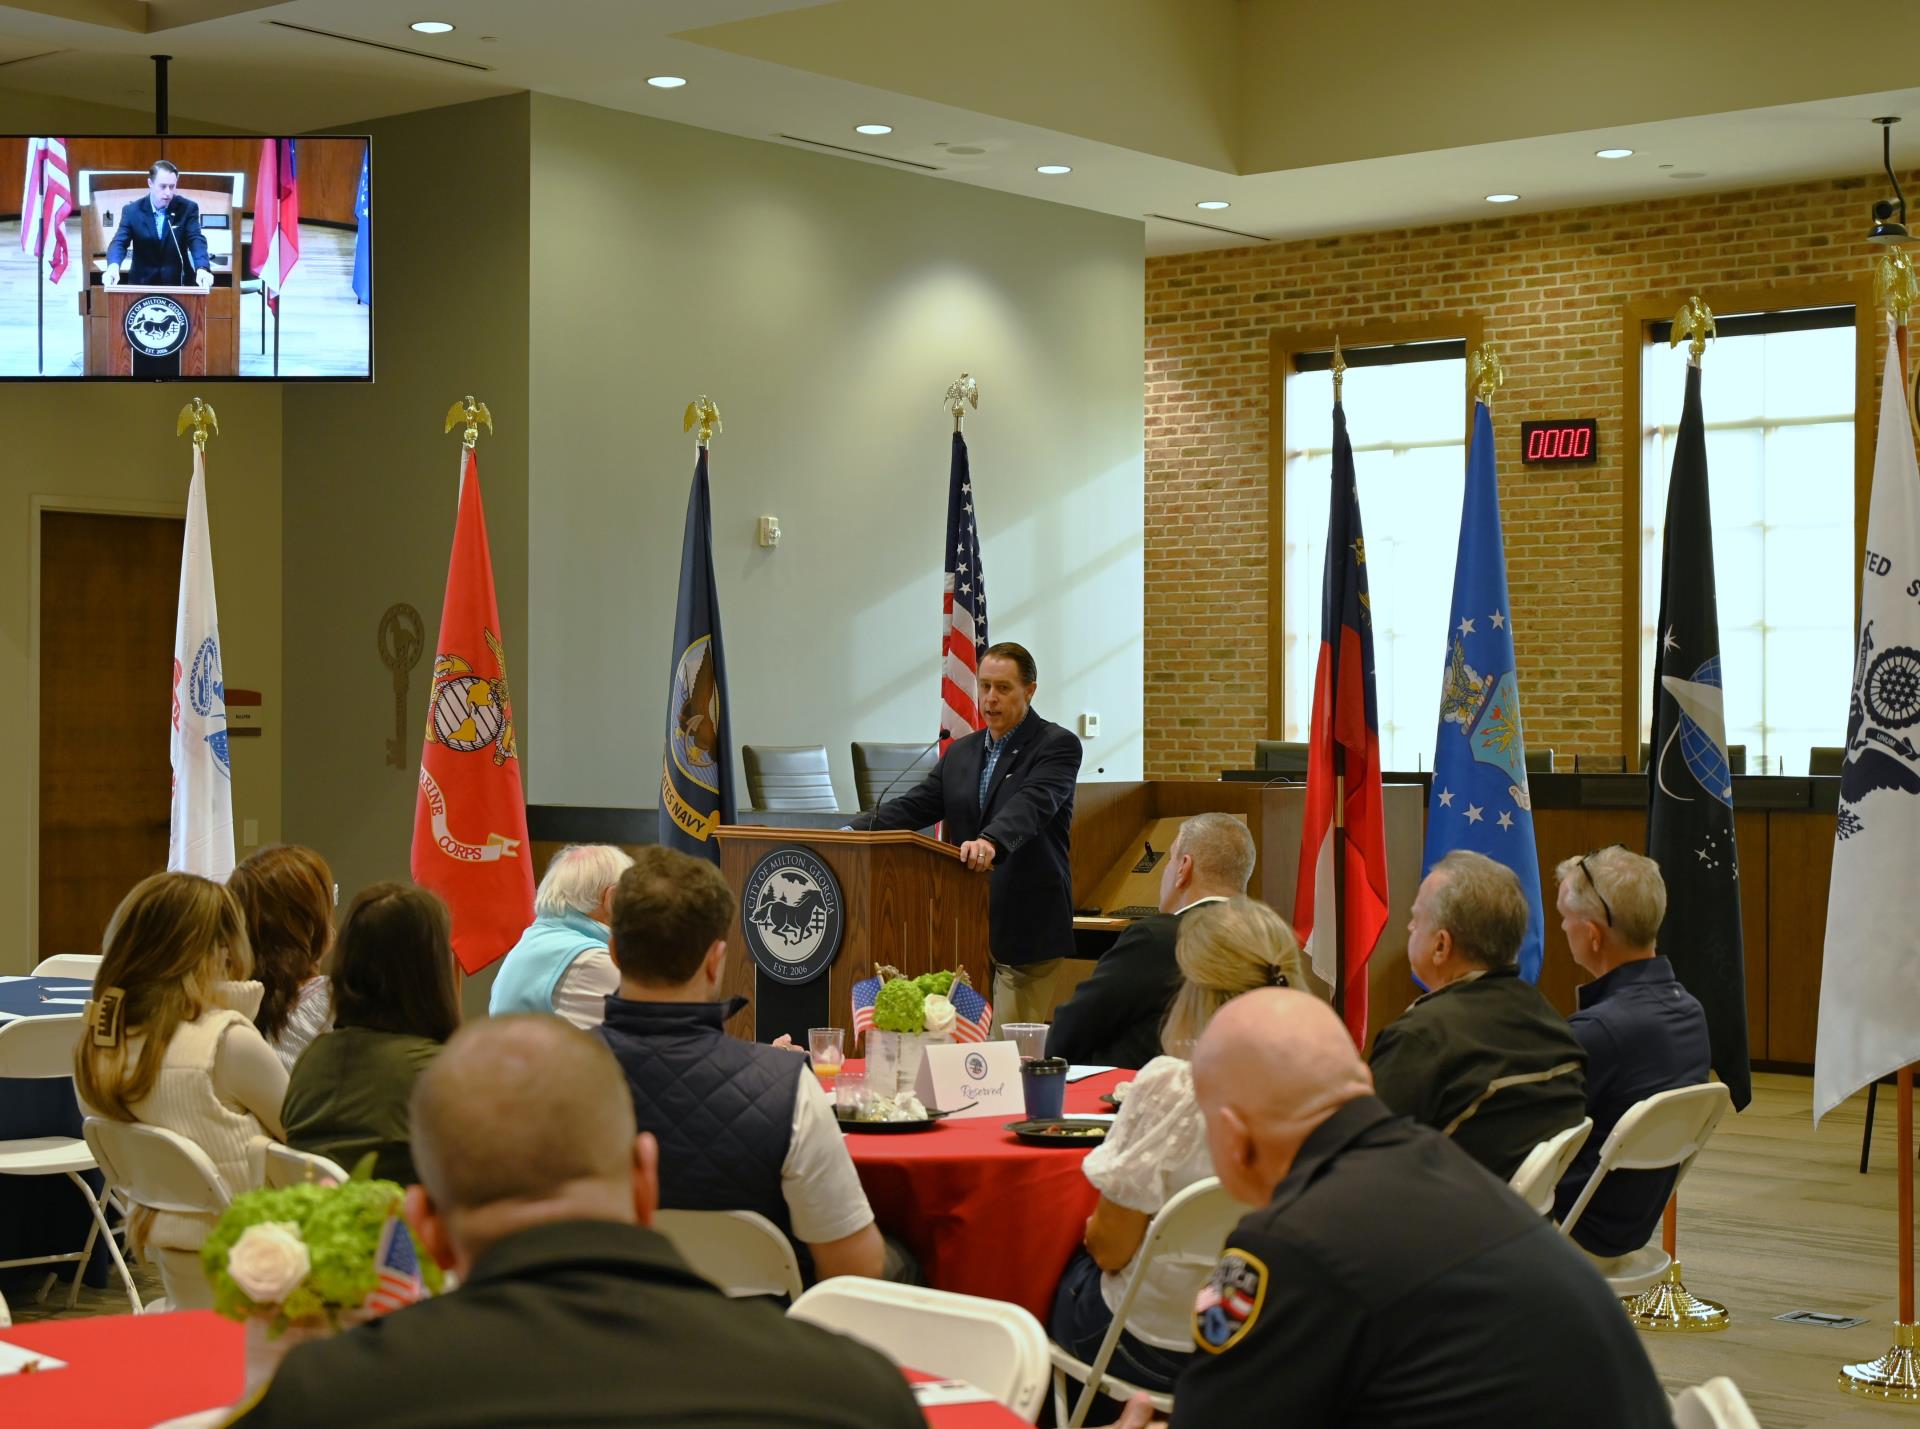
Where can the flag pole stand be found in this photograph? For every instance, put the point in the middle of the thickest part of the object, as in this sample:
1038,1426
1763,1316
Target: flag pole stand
1669,1305
1895,1376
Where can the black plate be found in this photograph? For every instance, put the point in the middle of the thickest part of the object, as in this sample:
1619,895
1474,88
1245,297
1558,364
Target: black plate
889,1128
1035,1133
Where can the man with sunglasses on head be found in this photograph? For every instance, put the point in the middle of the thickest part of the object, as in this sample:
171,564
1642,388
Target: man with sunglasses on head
1482,1058
1644,1033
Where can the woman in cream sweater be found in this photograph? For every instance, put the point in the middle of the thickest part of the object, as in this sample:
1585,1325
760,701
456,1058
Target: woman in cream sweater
170,1042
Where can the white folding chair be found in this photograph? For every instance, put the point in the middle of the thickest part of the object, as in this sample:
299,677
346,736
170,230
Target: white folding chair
40,1049
742,1252
1191,1229
287,1166
1539,1175
1717,1404
996,1346
81,967
1668,1129
163,1171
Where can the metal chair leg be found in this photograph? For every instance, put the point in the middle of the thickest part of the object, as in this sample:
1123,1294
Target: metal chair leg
101,1228
1866,1132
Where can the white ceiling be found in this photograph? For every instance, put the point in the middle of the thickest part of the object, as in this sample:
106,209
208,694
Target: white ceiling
242,67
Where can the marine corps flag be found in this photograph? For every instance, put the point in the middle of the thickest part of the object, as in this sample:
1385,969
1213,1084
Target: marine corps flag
470,819
1870,983
1689,781
696,776
1480,799
1343,765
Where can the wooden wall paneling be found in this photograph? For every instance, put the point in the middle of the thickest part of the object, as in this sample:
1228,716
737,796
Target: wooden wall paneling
330,179
1106,817
1751,840
1183,798
1800,858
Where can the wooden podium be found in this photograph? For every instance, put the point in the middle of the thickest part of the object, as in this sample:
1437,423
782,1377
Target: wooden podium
211,348
908,903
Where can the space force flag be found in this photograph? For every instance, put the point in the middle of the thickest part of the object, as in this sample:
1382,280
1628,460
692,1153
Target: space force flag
1689,781
1870,981
200,829
696,775
1479,800
470,816
1343,764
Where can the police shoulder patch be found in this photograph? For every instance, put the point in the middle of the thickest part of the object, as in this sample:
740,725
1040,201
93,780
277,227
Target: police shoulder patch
1229,1303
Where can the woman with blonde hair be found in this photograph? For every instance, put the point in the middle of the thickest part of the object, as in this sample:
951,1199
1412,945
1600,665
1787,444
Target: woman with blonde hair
170,1042
1158,1146
286,893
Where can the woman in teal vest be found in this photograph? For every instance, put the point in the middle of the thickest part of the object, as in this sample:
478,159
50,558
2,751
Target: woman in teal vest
561,964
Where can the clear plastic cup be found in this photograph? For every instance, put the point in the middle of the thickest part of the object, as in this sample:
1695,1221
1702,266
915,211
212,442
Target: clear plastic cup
826,1048
850,1094
1029,1037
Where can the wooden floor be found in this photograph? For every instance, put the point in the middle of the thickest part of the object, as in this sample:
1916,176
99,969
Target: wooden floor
1776,1217
325,330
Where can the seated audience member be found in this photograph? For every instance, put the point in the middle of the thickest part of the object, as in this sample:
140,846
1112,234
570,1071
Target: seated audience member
1482,1057
1113,1018
1158,1146
538,1195
286,892
170,1042
395,1003
742,1127
561,963
1385,1279
1644,1033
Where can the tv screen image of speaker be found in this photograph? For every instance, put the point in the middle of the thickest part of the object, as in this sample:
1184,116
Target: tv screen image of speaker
193,257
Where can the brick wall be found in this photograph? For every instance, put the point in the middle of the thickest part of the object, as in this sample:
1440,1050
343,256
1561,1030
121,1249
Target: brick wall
1551,290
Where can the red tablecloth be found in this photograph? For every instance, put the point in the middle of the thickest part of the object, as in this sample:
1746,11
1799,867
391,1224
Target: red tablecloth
129,1372
984,1214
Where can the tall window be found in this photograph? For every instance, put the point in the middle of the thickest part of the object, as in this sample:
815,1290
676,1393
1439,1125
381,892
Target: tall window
1777,392
1406,417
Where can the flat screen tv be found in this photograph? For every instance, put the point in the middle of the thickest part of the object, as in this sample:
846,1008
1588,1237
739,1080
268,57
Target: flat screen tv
136,258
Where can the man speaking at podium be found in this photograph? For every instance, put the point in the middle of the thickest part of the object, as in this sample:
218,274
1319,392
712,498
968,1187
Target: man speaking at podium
1005,795
159,240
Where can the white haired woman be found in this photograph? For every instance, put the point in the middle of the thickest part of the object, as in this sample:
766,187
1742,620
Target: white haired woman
1158,1146
561,964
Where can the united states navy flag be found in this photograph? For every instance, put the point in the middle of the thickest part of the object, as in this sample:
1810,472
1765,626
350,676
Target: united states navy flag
1689,780
1479,799
696,780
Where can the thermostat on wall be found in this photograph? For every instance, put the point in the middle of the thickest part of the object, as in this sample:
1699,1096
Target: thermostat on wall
1566,439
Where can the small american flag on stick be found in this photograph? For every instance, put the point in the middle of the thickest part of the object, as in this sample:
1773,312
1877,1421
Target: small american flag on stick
400,1282
972,1013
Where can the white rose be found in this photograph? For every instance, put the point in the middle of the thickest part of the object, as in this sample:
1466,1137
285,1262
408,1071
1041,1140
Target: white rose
939,1014
269,1261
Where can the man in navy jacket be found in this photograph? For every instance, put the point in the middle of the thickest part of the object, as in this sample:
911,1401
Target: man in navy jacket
1005,796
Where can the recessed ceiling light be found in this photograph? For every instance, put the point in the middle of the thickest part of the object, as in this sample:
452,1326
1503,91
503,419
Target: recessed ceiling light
665,81
1054,169
1613,153
1502,198
431,27
1211,203
873,128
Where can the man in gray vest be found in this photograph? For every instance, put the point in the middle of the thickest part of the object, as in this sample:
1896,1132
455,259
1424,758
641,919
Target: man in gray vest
741,1127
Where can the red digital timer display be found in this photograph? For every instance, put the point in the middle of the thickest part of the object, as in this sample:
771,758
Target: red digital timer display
1570,440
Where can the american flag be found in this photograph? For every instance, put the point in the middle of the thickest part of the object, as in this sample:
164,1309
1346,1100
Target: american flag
972,1013
47,201
963,633
400,1283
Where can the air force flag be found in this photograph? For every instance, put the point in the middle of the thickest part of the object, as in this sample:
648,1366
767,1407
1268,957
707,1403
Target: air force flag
1479,799
200,833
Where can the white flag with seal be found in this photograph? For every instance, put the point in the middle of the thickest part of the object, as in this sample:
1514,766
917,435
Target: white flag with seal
1870,983
200,839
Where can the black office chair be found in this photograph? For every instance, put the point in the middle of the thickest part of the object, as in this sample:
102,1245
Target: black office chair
1539,761
1280,756
1826,759
789,778
880,767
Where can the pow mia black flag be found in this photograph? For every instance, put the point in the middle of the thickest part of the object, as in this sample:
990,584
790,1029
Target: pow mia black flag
1689,781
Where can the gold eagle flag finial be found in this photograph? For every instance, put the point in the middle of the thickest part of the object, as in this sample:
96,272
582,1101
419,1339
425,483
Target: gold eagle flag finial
702,413
1338,368
1896,289
1484,374
473,414
197,417
962,394
1695,321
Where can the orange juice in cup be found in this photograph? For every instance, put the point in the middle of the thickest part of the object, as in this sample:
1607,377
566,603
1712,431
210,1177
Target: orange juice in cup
826,1048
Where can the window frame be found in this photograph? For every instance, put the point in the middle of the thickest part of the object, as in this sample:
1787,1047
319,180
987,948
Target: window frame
1283,345
1638,319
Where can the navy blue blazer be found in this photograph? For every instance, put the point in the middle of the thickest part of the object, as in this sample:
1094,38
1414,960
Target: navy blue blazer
169,261
1028,817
